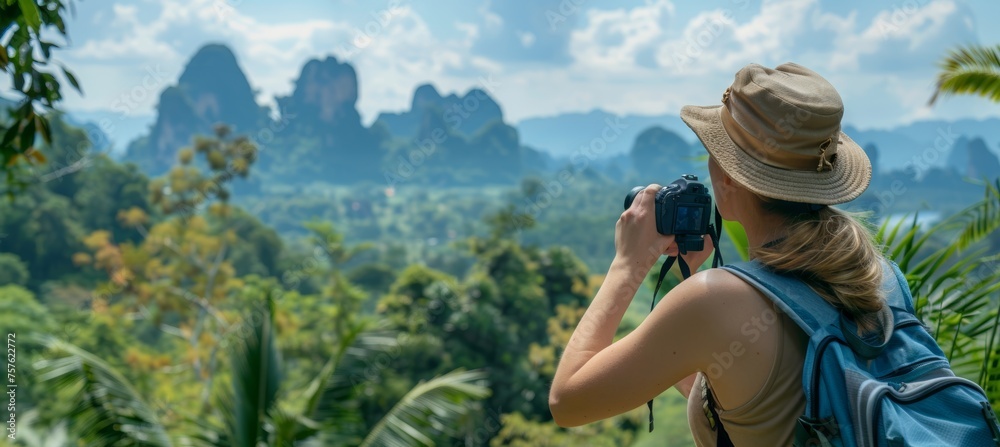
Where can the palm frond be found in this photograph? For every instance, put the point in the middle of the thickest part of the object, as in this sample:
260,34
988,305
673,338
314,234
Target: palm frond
30,435
957,296
201,431
284,425
982,218
255,378
427,410
970,70
357,341
329,402
108,411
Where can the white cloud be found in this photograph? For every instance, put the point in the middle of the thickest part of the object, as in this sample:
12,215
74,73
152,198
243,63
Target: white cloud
613,40
470,30
693,52
771,33
527,39
141,40
714,42
393,52
910,32
405,54
490,18
124,14
892,52
625,60
277,50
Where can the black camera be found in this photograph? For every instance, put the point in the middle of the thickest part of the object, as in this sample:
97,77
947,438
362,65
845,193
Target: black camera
683,209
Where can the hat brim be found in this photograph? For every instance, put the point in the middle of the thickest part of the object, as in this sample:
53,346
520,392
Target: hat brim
850,176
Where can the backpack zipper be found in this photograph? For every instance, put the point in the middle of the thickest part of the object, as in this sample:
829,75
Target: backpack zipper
873,412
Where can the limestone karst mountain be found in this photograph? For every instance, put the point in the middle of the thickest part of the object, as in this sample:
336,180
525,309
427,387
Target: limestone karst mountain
212,89
465,114
972,158
317,134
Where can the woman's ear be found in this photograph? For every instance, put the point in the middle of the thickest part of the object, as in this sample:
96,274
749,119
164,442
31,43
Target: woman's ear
727,182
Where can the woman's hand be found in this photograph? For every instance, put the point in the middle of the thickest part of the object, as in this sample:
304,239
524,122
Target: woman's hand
637,243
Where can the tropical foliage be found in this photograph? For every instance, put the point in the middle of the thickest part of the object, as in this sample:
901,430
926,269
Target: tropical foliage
973,70
257,408
955,289
187,322
25,53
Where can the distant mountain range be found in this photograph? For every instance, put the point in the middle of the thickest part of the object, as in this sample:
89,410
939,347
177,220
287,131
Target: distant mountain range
466,114
563,135
316,133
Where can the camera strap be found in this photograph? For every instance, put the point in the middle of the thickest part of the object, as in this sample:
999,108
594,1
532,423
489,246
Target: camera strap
714,232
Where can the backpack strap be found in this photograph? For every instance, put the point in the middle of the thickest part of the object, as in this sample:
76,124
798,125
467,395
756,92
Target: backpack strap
809,310
897,292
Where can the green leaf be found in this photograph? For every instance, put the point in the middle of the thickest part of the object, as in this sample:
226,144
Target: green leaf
19,82
43,128
9,135
47,48
72,79
28,135
30,11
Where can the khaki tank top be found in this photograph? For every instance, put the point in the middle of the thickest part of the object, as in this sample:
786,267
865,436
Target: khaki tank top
768,418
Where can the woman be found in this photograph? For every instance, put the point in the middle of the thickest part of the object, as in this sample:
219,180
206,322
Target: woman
777,159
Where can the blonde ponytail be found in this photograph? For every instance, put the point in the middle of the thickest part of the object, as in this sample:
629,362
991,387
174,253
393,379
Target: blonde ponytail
832,252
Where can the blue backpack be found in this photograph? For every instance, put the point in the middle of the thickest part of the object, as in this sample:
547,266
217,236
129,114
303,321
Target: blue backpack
897,391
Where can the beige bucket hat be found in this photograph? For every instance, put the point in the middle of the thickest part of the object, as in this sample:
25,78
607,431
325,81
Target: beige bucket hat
777,133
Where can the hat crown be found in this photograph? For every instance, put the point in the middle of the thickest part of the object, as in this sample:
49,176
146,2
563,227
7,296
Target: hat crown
786,115
790,86
777,133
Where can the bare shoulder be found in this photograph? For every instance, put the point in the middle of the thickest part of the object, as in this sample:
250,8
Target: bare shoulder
721,300
734,316
718,288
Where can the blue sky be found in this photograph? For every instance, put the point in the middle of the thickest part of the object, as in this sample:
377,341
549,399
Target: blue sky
542,57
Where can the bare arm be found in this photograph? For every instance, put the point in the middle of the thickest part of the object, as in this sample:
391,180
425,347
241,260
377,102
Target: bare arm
597,379
595,332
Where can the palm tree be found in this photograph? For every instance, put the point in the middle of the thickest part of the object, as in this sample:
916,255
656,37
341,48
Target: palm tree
255,409
970,70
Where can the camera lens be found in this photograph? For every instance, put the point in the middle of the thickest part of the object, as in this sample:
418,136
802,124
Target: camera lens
631,195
